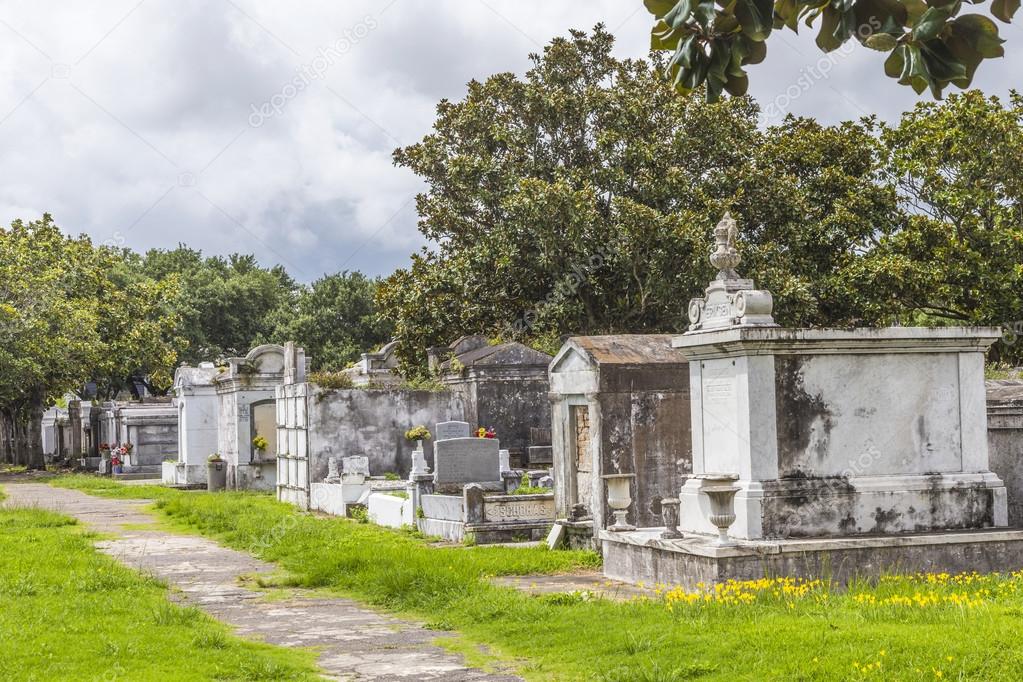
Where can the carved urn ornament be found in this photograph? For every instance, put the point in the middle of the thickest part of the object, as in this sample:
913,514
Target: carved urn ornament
724,255
619,498
730,300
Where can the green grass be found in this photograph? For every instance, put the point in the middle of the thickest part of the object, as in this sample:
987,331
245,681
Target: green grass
68,612
817,634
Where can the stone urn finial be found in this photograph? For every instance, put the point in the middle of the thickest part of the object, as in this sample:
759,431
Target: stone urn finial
724,256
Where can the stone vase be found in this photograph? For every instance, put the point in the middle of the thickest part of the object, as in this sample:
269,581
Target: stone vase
722,510
670,513
619,498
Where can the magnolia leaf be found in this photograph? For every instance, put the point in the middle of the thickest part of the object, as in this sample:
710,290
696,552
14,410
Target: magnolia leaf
930,24
737,85
786,13
879,16
980,33
756,52
756,17
882,42
1005,9
705,14
914,10
659,7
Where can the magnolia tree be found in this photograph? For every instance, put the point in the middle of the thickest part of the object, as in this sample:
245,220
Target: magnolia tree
929,44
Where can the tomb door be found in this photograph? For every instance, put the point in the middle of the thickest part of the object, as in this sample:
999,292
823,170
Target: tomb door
582,456
264,423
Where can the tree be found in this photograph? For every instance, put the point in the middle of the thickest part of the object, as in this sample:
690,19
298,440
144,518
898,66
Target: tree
66,317
957,255
226,305
929,44
334,319
580,200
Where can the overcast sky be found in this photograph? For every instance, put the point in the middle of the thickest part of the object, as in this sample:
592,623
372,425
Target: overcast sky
150,123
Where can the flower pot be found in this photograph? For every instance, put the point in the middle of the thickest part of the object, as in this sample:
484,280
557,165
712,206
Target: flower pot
117,469
216,476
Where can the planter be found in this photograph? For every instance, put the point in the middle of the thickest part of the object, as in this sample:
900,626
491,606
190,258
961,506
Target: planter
216,476
117,469
619,498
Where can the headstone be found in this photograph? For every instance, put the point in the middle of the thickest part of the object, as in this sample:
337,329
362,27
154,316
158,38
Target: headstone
541,454
504,457
539,436
556,537
473,496
449,430
547,482
466,460
356,469
333,475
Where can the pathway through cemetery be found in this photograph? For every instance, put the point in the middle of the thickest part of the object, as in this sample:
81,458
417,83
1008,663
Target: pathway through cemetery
355,643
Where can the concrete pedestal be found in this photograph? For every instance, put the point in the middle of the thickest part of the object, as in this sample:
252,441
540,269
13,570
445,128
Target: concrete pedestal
642,556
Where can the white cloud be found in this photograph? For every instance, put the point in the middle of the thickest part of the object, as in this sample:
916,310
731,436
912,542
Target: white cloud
131,120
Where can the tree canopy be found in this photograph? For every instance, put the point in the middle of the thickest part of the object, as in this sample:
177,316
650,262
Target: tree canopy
930,44
68,316
579,200
334,320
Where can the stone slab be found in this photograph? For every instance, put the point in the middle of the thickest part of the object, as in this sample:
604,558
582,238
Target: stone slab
515,508
466,460
641,556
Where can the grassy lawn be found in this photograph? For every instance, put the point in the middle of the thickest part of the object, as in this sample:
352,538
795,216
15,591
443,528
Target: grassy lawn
917,628
68,612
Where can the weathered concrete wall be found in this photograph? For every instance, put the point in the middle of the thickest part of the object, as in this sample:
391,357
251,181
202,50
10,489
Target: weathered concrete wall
1005,441
647,433
372,423
512,406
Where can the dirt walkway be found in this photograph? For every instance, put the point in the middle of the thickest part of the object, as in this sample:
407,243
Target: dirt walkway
355,643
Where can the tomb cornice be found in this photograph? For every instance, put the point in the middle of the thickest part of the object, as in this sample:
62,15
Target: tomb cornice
743,341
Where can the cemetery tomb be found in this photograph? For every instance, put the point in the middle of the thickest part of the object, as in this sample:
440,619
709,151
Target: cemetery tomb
852,452
246,391
620,405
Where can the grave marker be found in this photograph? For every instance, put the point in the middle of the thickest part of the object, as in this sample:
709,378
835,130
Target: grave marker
449,430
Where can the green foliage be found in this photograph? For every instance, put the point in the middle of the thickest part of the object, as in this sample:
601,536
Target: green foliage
71,312
580,200
422,382
930,45
331,381
957,255
72,613
334,319
227,305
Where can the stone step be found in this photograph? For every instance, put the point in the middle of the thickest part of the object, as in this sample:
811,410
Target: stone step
138,476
